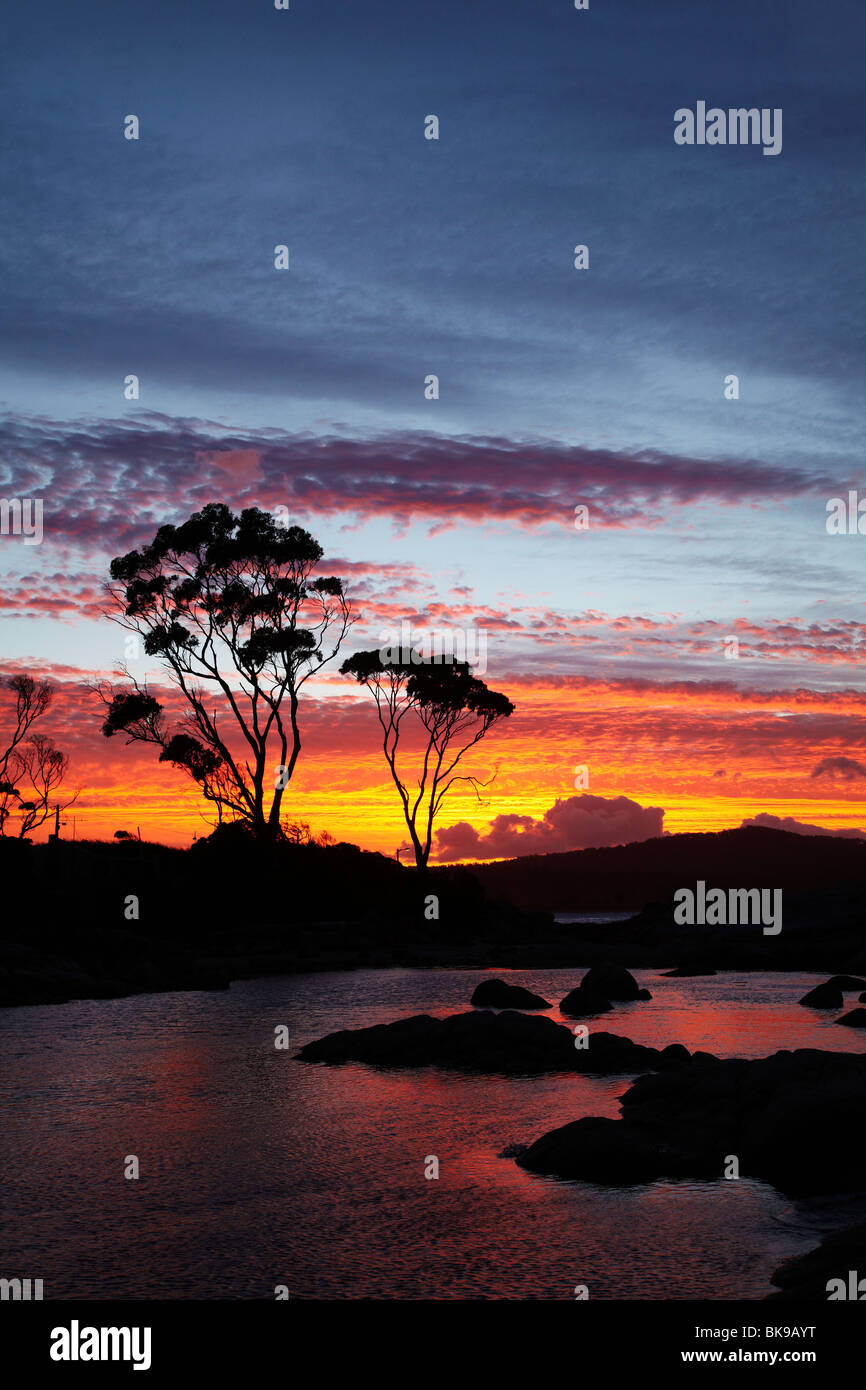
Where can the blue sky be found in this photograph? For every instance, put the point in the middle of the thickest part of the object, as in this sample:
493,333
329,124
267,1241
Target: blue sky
454,257
412,256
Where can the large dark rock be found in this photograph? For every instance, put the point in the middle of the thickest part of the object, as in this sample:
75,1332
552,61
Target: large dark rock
844,982
610,982
512,1151
607,1053
511,1043
496,994
787,1118
823,997
583,1003
592,1149
805,1278
855,1019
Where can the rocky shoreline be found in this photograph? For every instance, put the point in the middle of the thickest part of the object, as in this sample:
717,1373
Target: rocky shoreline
788,1119
825,1273
50,965
507,1043
124,918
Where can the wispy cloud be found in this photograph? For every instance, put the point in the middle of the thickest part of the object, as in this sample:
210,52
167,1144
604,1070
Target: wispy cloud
128,476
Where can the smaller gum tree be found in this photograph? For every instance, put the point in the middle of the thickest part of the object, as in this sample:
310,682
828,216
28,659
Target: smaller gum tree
32,770
454,710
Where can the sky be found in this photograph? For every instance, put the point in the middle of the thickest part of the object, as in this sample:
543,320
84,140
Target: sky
558,387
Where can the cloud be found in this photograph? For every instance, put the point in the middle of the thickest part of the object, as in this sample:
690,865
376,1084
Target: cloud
798,827
578,822
241,466
846,768
117,477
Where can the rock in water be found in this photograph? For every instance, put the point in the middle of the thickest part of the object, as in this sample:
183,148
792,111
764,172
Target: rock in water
583,1003
823,997
844,982
506,1043
855,1019
611,982
496,994
591,1149
787,1118
807,1278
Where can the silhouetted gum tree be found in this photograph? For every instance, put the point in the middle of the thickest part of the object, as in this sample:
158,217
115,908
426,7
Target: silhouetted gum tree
455,710
229,604
32,770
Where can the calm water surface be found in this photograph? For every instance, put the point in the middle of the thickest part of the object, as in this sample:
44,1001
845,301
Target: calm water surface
258,1170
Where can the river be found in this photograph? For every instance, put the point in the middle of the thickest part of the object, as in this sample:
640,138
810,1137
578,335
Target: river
257,1170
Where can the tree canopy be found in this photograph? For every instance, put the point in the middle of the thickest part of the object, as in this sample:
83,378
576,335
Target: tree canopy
452,708
233,609
32,769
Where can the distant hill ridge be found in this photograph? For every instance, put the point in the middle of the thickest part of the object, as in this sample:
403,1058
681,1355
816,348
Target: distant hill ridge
626,877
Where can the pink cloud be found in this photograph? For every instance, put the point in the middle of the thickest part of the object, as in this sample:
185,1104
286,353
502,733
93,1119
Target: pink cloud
798,827
115,481
242,466
578,822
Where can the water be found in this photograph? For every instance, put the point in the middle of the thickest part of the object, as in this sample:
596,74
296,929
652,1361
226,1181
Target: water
258,1170
581,919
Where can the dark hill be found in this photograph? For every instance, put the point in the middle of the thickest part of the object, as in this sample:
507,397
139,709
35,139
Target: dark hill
226,909
626,877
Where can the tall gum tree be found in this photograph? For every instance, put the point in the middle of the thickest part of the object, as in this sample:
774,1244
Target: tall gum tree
231,606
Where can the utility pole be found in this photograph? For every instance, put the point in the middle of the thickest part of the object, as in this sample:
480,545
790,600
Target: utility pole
57,820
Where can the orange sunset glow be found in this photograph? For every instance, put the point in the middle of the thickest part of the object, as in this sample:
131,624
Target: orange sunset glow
698,751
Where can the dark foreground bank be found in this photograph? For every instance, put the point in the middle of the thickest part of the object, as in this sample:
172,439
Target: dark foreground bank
102,920
93,920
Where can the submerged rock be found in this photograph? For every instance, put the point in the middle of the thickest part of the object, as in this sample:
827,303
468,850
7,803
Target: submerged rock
855,1019
844,982
815,1276
609,1053
823,997
611,982
592,1149
497,994
512,1151
787,1118
508,1042
583,1003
